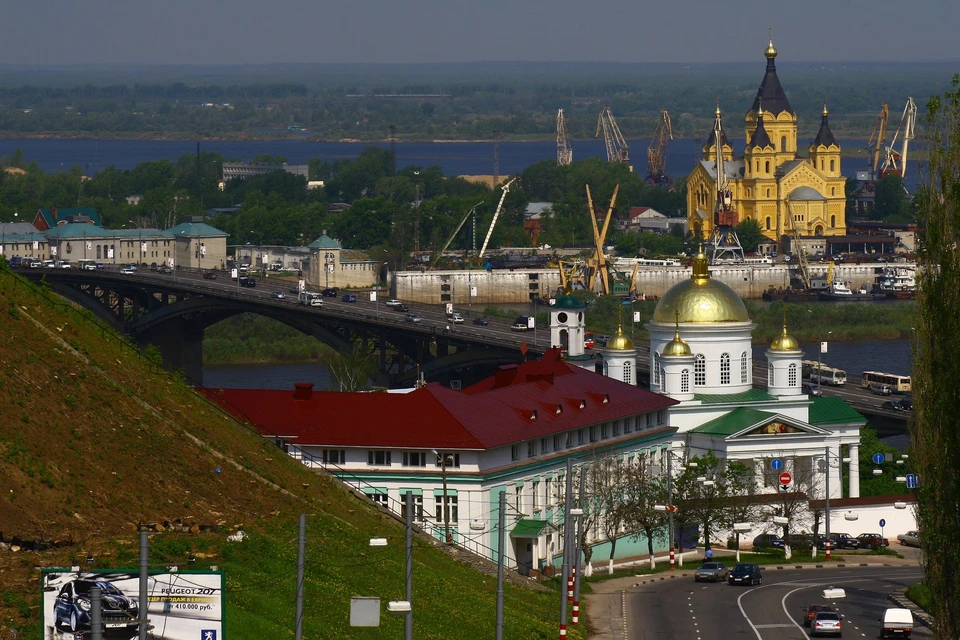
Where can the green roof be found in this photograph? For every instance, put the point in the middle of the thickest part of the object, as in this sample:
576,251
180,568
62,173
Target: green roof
753,395
194,230
733,422
568,302
63,215
528,528
834,410
324,242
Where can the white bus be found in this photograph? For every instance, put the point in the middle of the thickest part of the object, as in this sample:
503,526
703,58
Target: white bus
897,384
87,264
819,372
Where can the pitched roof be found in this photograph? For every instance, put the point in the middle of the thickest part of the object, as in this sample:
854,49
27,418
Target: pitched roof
754,422
54,216
194,230
733,169
760,137
771,95
17,227
712,139
833,410
824,136
751,395
528,528
324,242
531,400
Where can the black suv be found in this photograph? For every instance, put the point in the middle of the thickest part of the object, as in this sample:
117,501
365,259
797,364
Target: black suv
745,573
330,293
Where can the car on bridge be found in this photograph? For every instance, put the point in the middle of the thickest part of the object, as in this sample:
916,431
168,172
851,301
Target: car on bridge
482,321
128,271
210,275
881,389
294,289
412,317
455,318
330,293
393,302
402,308
247,281
278,295
349,297
892,405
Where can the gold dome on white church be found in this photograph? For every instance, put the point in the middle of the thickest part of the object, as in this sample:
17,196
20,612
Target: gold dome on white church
784,342
700,299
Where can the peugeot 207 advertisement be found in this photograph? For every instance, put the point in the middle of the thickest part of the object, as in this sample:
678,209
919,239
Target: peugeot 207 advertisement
180,605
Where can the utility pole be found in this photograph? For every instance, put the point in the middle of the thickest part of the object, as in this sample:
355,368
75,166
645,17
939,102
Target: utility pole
669,508
502,538
827,502
567,539
577,564
408,622
301,562
496,158
144,577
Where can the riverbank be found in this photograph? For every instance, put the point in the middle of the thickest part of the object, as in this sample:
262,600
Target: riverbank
249,339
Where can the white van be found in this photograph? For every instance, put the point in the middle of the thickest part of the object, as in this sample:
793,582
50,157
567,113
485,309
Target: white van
87,264
62,264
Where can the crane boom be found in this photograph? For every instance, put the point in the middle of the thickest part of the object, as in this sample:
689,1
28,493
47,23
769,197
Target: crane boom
617,149
657,151
897,162
600,265
496,214
454,235
879,137
564,152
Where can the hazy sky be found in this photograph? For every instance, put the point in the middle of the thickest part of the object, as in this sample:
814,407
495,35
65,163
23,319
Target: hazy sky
52,32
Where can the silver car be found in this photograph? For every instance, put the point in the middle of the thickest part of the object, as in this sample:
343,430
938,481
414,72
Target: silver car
711,572
909,539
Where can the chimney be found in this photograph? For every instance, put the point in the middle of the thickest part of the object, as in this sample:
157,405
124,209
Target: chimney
503,376
53,212
302,390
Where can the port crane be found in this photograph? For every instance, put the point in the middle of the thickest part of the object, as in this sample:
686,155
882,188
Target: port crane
878,139
496,214
600,277
726,245
896,162
657,152
617,149
564,152
453,235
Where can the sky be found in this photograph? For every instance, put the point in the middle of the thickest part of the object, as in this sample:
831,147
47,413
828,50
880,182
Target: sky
56,32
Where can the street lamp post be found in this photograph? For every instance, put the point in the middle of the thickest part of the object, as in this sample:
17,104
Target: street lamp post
819,350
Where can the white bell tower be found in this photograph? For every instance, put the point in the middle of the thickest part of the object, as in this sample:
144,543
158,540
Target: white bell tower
567,325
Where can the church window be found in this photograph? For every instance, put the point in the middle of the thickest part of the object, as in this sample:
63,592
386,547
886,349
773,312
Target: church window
766,166
833,191
758,166
769,376
792,375
663,375
832,165
783,143
656,368
768,193
627,374
700,371
833,221
768,223
821,164
743,368
725,368
685,381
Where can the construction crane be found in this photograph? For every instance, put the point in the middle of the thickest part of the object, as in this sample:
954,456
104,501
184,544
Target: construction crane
439,256
601,270
802,268
572,272
657,152
878,139
726,244
564,152
496,214
896,163
617,149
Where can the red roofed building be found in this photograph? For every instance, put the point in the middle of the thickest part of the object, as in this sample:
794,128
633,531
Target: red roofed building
512,432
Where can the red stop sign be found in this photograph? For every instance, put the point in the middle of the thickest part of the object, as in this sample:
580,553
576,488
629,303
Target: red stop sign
785,478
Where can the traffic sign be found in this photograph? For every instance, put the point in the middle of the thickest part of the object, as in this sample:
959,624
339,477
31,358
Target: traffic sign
878,458
672,508
785,478
776,464
523,348
883,523
911,481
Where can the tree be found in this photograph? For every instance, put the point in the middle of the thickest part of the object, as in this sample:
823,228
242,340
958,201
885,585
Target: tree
792,503
936,446
352,370
703,493
644,490
888,200
750,234
608,486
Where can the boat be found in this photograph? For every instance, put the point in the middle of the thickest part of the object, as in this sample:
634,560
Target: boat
791,294
839,291
897,281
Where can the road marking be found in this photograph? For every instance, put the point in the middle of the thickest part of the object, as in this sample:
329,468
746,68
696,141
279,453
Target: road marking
774,626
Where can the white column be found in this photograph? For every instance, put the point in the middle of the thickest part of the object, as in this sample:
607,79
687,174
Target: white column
854,488
836,473
758,474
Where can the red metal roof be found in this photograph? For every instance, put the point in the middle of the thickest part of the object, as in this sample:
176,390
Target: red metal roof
530,400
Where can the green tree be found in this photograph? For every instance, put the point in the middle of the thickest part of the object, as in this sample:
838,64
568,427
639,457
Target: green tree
937,363
750,234
352,370
888,201
644,490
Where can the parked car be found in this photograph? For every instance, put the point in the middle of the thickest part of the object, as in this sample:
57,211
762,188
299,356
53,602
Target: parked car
871,541
844,541
412,317
330,293
393,302
349,297
812,611
71,609
278,295
826,623
881,389
768,541
712,572
811,389
745,573
892,405
909,539
209,275
481,321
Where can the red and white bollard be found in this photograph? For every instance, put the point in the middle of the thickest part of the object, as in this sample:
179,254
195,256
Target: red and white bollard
828,548
563,632
576,612
570,579
673,559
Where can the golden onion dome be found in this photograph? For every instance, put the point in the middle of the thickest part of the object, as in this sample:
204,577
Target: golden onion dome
700,299
784,342
771,51
677,347
619,342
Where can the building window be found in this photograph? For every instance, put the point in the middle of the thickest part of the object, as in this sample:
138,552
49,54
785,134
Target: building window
792,375
414,459
766,166
548,492
769,376
700,371
768,223
783,143
381,498
661,417
626,425
663,387
744,370
627,373
685,381
725,368
833,191
557,443
636,423
532,449
417,506
378,458
656,368
768,193
543,446
536,495
581,437
453,512
832,165
515,452
517,498
833,221
593,434
605,431
569,439
616,428
334,456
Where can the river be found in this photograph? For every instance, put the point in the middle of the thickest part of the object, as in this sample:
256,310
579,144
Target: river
455,158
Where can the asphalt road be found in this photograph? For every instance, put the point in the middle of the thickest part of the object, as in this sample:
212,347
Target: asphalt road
688,610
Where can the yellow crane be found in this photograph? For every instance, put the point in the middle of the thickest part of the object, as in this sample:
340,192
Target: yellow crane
617,149
657,152
601,270
878,139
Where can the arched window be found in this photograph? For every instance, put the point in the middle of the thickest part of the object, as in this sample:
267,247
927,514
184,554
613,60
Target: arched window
792,375
833,191
685,381
769,376
563,339
818,231
783,143
725,368
768,193
700,371
768,223
832,165
663,387
656,368
821,164
758,166
766,166
833,221
744,370
627,373
98,252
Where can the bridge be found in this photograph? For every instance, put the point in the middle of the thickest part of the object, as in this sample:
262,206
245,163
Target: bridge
172,311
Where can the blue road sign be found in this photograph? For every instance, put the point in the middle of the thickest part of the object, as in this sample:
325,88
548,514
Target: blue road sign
883,523
911,481
776,464
878,458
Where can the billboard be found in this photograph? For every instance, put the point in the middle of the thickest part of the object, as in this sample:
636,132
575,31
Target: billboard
185,605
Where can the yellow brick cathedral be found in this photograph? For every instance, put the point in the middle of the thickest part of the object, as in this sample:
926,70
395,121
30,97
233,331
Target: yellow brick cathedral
771,183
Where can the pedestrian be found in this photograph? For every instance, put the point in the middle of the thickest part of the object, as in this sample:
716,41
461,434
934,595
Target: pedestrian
709,554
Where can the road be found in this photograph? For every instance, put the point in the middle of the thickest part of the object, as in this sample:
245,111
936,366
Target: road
688,610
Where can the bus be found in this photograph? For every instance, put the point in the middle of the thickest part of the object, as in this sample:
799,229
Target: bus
588,340
87,264
819,372
897,384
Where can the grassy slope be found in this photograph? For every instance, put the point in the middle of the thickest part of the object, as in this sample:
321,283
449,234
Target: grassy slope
93,440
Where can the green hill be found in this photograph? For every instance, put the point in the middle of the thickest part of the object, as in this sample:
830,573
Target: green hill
94,439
